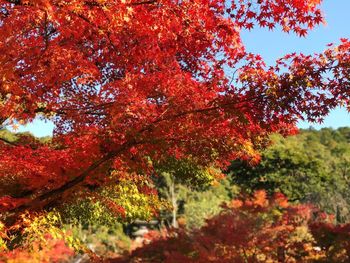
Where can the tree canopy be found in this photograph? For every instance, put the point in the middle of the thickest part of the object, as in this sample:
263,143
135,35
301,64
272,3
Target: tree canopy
129,81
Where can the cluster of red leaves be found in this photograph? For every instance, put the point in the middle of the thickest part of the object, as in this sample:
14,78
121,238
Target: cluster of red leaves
28,171
291,15
257,229
126,79
300,86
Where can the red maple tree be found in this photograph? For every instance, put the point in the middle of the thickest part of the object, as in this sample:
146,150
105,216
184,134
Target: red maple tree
128,81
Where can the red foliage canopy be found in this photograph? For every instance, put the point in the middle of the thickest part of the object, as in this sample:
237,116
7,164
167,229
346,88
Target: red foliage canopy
126,79
252,229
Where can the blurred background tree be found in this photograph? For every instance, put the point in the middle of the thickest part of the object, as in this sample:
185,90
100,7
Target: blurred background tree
311,167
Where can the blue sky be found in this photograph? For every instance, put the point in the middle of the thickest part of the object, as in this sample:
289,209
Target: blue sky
274,44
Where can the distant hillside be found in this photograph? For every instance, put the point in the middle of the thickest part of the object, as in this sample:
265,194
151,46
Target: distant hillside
313,166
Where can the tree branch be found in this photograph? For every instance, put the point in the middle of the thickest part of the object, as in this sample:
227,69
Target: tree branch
8,142
53,194
145,2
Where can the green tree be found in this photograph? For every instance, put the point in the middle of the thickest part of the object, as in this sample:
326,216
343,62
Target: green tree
174,178
202,205
310,167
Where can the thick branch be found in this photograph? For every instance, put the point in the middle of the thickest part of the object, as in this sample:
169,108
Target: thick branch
81,177
145,2
77,180
8,142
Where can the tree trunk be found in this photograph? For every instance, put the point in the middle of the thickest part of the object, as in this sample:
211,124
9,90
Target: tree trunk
174,202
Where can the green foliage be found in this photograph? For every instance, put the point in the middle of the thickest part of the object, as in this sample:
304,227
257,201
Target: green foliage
7,135
105,241
22,137
124,201
34,234
96,227
184,185
86,212
185,172
136,204
97,218
39,227
313,166
201,205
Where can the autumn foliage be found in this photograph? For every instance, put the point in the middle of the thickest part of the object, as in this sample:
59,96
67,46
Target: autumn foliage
53,251
127,79
255,229
128,83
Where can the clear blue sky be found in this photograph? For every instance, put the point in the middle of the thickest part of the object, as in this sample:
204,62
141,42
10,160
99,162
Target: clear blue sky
272,45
